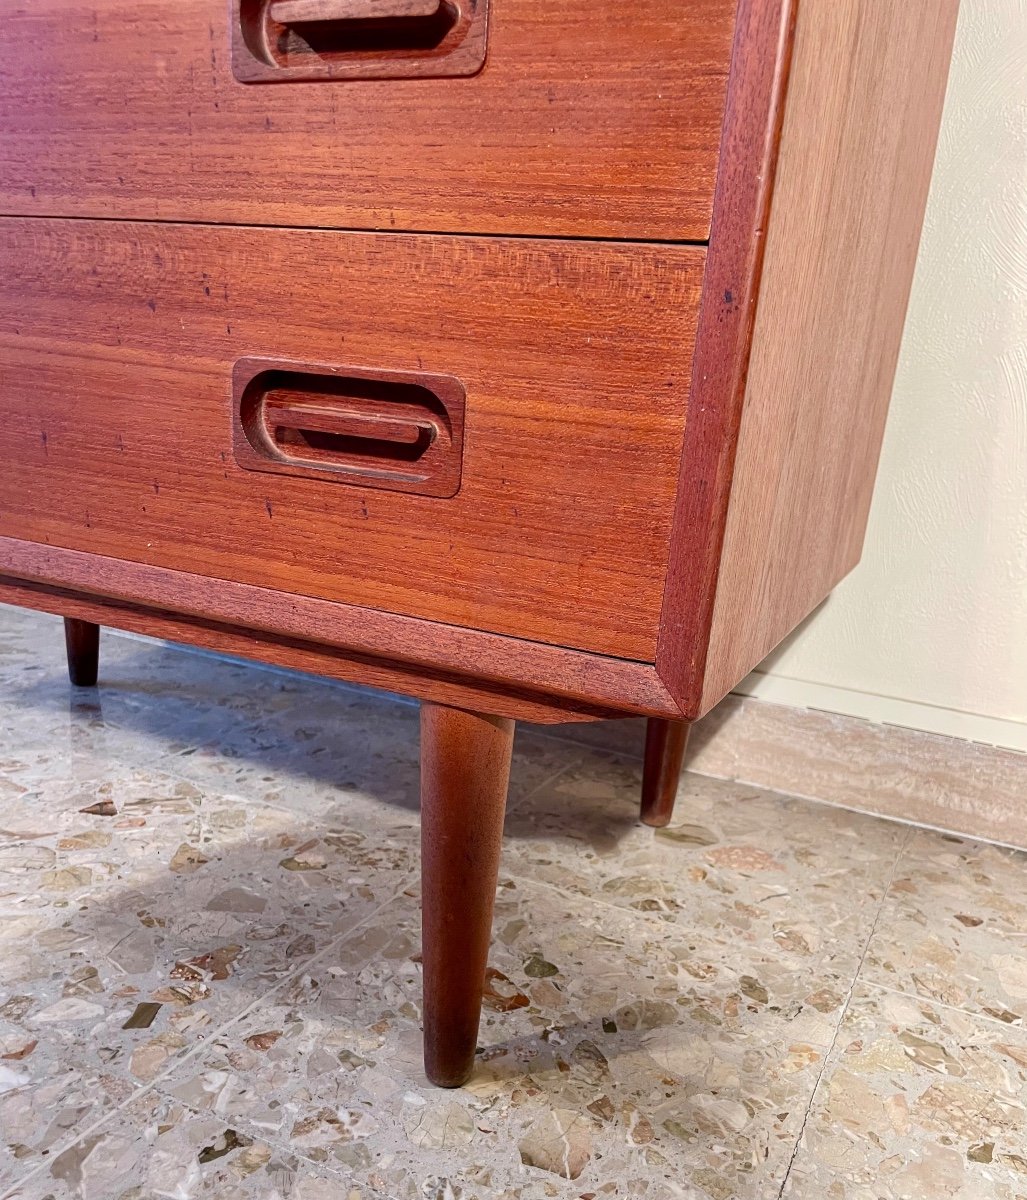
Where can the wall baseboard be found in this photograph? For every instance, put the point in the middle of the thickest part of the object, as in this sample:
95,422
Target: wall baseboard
927,779
885,710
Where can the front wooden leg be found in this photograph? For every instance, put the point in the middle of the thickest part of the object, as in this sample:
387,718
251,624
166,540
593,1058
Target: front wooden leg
82,640
665,743
465,769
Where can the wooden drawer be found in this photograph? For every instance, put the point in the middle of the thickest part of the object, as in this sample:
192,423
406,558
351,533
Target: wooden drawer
571,361
590,118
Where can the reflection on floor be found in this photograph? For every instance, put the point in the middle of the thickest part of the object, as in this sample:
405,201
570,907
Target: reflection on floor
209,979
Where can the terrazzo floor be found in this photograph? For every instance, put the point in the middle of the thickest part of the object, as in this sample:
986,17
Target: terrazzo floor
209,979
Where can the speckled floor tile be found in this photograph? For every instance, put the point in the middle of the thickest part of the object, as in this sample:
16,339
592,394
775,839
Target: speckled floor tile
347,756
331,745
954,928
742,865
918,1100
27,643
56,729
166,907
622,1057
152,701
157,1147
210,980
91,810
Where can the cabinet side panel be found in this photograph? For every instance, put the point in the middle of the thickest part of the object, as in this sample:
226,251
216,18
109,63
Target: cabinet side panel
745,181
860,127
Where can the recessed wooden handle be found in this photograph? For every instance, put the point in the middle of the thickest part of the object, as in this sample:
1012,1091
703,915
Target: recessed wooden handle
284,414
283,41
299,12
400,430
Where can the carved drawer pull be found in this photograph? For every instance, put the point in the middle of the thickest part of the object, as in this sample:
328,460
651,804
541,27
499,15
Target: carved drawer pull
286,41
399,430
297,12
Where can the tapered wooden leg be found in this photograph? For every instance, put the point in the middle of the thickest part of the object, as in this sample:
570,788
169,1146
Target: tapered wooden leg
665,743
465,769
82,639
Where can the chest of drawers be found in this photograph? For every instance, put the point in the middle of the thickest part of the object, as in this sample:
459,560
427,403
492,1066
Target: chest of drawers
528,359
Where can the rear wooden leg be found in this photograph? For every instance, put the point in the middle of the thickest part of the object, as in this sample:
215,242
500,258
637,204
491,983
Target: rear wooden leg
82,639
465,769
665,743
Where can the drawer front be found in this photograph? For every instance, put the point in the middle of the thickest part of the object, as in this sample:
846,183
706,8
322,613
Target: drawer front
128,354
589,118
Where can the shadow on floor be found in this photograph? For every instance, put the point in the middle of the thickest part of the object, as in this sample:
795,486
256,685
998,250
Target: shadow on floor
162,706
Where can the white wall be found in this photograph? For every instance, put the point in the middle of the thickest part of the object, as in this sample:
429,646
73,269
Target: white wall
930,631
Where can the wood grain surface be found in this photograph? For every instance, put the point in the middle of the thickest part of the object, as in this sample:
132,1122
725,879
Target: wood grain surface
82,644
421,682
116,349
665,745
857,146
294,11
596,120
45,576
752,128
465,770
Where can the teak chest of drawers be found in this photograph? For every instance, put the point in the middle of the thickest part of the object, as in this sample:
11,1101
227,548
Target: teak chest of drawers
531,359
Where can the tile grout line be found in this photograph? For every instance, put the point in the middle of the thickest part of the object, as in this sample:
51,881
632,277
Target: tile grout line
239,794
552,886
258,1134
583,898
841,1017
955,1008
214,1033
549,779
650,919
254,1131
